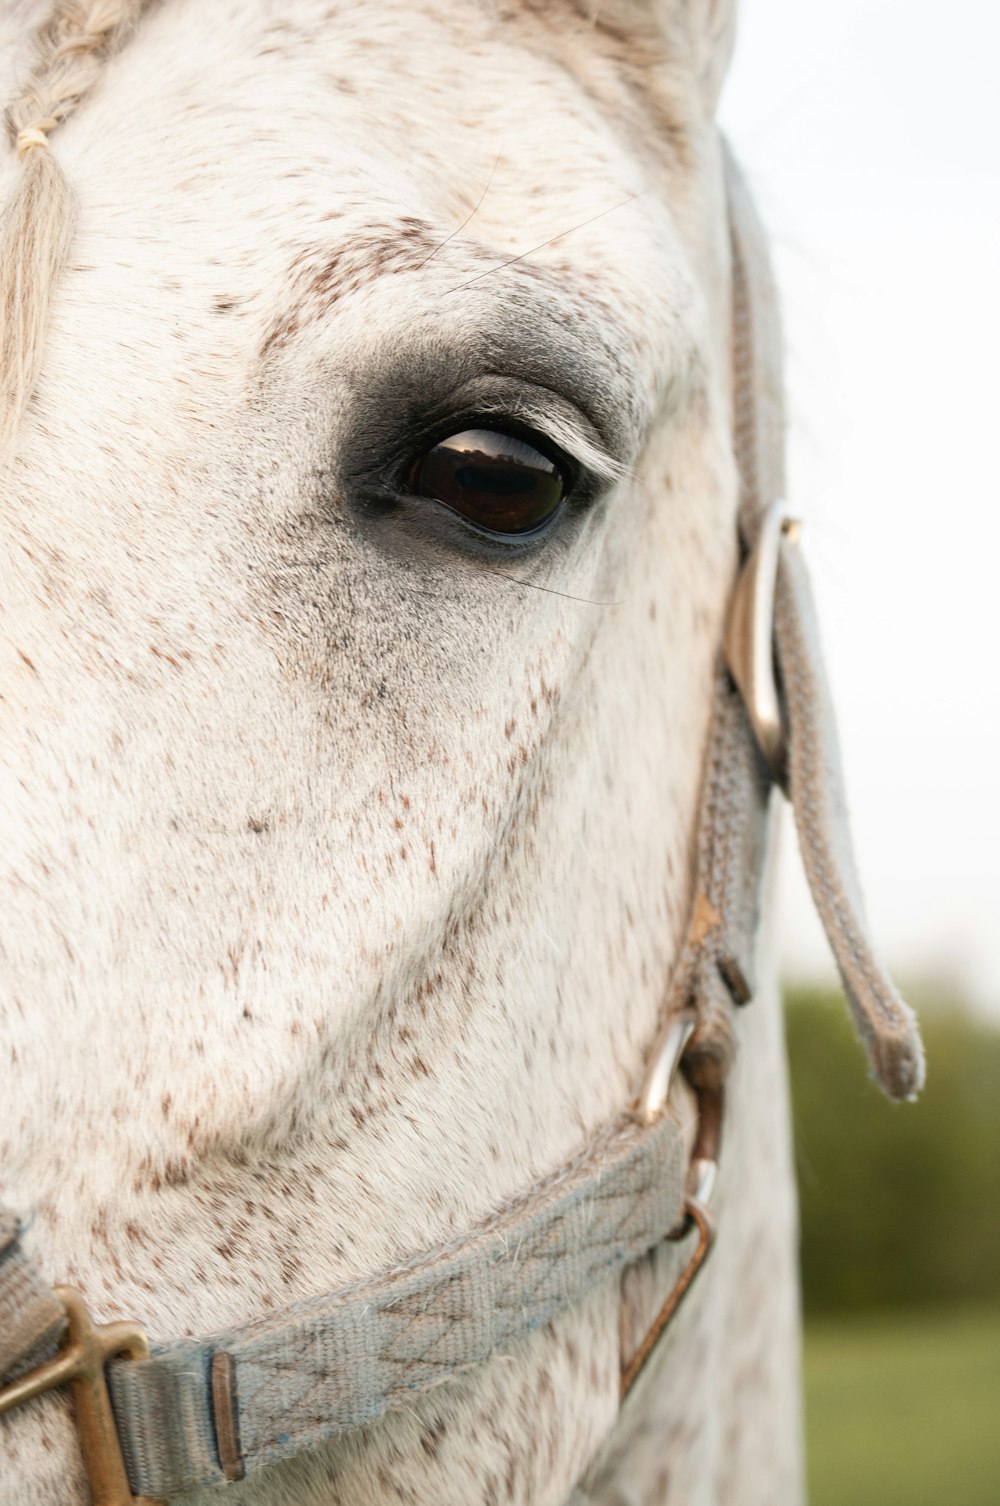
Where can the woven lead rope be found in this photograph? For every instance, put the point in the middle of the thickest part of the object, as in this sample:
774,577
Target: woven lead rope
887,1027
715,971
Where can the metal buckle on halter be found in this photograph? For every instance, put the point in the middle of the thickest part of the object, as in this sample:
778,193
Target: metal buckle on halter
80,1364
652,1102
750,636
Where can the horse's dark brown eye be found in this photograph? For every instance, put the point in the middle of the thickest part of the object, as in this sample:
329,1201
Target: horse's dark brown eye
493,479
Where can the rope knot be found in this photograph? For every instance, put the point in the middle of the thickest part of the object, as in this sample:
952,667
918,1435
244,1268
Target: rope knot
29,137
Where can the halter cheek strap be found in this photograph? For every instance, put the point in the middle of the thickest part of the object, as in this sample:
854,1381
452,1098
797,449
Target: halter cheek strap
774,724
200,1412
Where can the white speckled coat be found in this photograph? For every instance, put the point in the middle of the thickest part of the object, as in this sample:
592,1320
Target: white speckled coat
344,856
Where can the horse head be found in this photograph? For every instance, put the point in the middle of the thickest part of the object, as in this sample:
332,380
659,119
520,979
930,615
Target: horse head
370,511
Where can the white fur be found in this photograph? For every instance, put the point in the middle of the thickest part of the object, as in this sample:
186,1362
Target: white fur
342,869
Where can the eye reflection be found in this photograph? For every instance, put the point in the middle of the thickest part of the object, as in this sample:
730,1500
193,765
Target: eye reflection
496,480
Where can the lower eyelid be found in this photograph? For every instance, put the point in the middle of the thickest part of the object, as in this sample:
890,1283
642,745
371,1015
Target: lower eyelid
381,503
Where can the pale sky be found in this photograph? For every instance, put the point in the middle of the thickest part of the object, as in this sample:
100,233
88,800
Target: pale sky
871,132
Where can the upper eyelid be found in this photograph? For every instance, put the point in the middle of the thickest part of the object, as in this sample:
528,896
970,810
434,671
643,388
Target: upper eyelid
529,405
400,405
567,436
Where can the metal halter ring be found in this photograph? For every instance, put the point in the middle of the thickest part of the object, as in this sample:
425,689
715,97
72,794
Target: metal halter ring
750,635
652,1102
667,1054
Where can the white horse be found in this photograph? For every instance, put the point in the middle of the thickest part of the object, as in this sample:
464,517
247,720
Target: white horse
348,814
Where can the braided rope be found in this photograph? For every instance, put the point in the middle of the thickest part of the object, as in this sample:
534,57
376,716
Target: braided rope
36,227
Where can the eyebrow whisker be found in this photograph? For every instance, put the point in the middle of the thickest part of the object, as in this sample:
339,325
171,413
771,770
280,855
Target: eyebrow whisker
542,244
468,218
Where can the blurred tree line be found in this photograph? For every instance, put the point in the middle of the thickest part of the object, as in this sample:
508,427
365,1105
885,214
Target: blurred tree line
899,1203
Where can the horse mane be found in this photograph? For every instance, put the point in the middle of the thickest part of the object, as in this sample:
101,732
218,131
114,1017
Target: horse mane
36,227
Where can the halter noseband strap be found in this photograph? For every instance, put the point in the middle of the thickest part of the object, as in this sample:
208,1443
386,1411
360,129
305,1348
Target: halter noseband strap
204,1411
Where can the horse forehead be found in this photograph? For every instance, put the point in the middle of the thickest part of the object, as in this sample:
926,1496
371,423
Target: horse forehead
275,157
417,103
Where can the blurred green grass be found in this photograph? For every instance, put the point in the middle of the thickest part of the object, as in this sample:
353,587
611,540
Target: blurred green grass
900,1203
900,1218
904,1409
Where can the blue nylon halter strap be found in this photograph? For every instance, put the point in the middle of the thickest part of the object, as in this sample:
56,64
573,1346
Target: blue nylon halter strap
201,1412
323,1367
209,1410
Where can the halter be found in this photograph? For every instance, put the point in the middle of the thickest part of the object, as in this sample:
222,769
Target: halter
154,1421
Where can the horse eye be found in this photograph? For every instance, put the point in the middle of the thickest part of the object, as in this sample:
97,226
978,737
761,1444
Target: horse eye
494,479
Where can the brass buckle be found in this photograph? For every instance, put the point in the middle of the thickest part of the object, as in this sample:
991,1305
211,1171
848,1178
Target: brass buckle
80,1364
